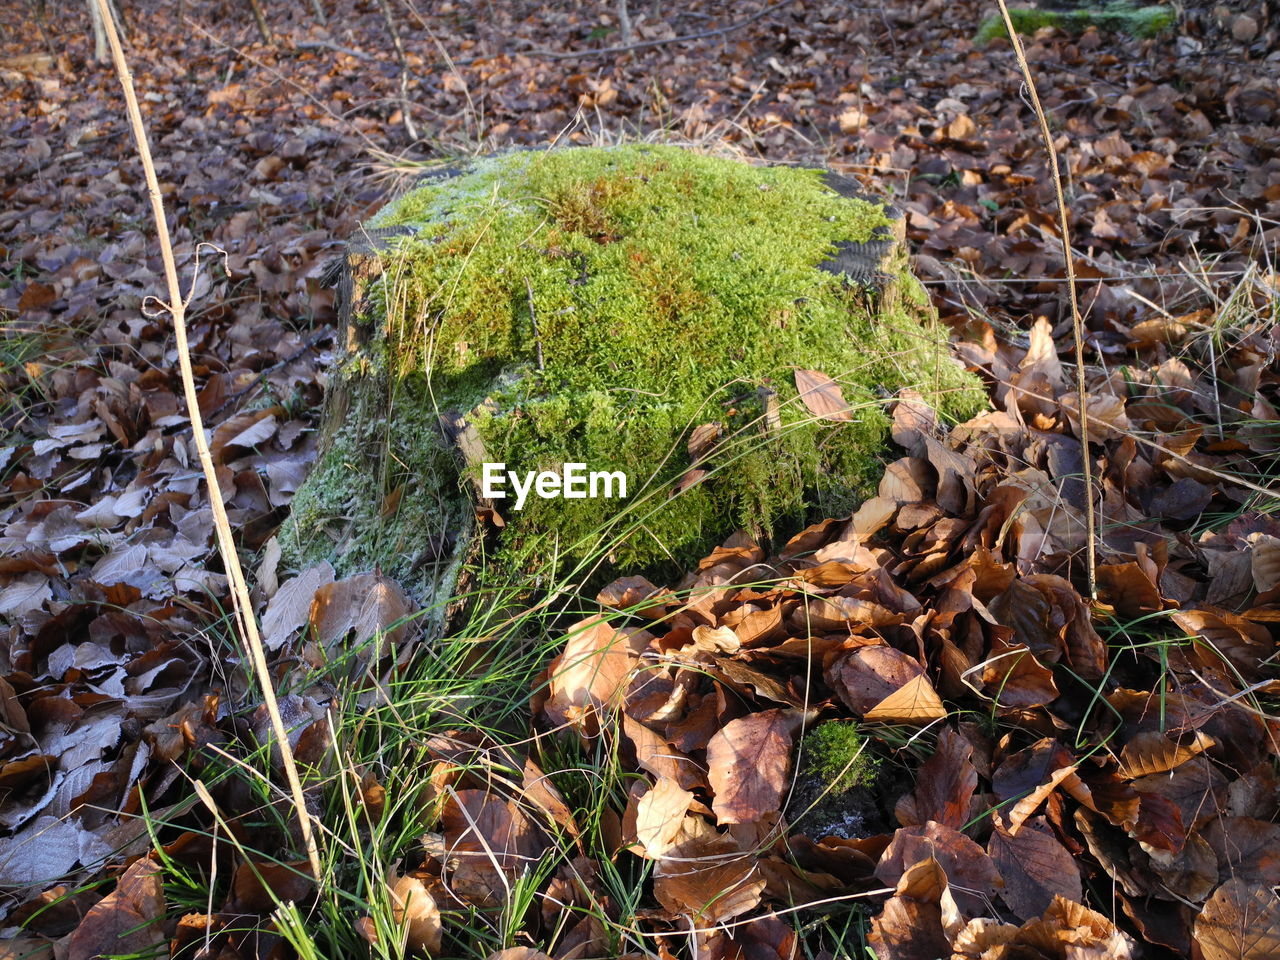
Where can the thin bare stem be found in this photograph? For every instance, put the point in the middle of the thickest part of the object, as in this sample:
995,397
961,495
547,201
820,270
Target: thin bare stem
177,307
1077,323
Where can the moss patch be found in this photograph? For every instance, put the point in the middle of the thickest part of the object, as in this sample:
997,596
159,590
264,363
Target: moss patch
1148,21
837,752
842,787
595,306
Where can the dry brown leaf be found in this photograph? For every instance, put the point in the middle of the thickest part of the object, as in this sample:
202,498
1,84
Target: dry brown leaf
261,886
705,877
590,673
538,789
367,604
1035,867
972,875
1150,752
913,422
945,785
1241,921
655,754
822,396
702,441
1107,417
126,921
415,911
760,938
918,921
659,816
1029,804
715,640
867,676
633,594
1189,874
1265,554
747,764
914,702
290,606
1015,678
1071,929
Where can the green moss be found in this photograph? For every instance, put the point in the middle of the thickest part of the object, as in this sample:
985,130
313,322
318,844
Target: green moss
838,753
1147,21
667,289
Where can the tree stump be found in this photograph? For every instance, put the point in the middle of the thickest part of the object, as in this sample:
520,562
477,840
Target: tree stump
721,335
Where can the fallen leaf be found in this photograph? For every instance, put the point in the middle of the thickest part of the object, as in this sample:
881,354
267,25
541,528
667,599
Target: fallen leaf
1035,867
659,815
415,911
1152,752
945,785
290,606
126,921
1241,921
882,683
590,673
748,762
822,396
368,605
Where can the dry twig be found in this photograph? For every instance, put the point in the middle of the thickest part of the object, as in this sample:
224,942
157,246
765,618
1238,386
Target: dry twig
177,307
1077,323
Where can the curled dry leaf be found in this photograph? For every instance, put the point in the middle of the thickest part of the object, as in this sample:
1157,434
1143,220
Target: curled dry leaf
589,674
660,816
415,911
822,396
1152,752
715,640
748,762
633,594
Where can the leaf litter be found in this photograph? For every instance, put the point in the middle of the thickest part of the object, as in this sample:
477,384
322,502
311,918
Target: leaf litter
1044,746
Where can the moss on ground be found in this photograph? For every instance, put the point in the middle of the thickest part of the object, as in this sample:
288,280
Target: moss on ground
594,306
837,752
1147,21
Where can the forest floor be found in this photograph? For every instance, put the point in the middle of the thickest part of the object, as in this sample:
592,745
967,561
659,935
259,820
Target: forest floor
1057,775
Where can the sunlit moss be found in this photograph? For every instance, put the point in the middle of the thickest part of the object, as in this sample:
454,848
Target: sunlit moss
603,302
839,754
1148,21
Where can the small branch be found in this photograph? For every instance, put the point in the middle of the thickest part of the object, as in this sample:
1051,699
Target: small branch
264,30
645,44
177,307
1077,323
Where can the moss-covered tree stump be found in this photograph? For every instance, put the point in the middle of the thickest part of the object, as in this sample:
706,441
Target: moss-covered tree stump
639,310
